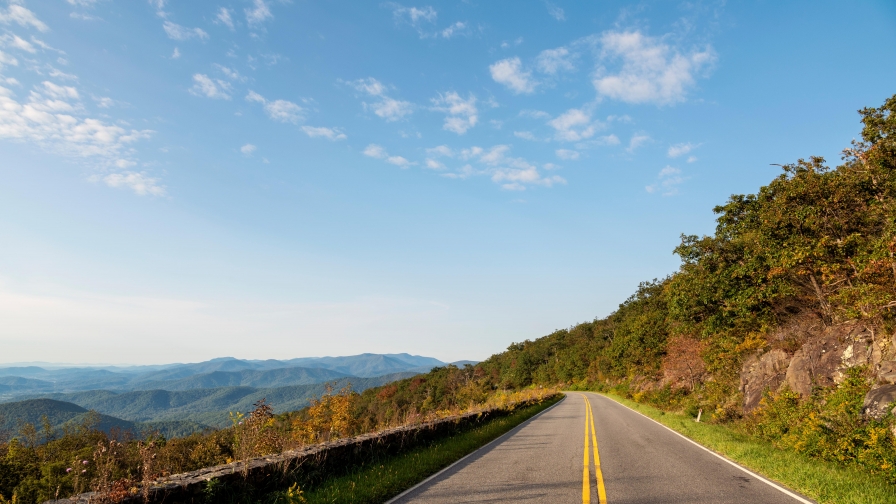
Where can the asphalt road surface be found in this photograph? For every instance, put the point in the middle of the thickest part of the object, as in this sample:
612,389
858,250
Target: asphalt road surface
552,459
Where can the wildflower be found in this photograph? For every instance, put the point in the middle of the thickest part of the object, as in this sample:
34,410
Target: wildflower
84,462
68,470
83,471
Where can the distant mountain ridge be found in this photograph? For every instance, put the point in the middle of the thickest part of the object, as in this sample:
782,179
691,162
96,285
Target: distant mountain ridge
18,381
178,412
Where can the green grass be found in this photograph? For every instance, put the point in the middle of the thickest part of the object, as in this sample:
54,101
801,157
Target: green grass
826,482
379,481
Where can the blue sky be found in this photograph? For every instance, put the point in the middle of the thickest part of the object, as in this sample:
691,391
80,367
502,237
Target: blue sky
275,179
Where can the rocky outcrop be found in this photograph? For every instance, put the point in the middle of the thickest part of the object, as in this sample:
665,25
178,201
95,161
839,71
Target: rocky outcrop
821,361
761,373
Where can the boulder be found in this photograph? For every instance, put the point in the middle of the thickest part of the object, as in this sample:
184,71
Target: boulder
760,373
878,400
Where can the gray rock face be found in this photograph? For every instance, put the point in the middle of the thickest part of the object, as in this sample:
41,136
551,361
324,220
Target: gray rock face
878,400
887,372
761,373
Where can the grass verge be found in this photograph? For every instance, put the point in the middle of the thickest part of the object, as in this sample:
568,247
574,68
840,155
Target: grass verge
380,480
826,482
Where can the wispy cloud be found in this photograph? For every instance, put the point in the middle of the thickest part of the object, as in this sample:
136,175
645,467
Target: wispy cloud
224,17
217,89
567,154
556,12
668,180
278,110
510,172
378,152
258,13
178,32
551,61
574,125
54,119
386,107
681,149
322,132
23,17
510,73
636,141
461,114
138,182
248,149
651,70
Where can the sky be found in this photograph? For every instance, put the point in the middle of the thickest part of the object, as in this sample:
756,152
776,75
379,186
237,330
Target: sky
182,180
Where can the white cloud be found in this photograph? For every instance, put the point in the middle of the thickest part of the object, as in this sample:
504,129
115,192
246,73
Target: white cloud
60,92
441,150
525,135
388,108
551,61
259,13
510,73
137,182
248,149
23,17
461,114
17,42
414,16
691,159
567,154
6,59
82,3
398,161
433,164
50,119
278,110
455,29
505,44
556,12
681,149
178,32
573,125
230,73
378,152
651,70
104,101
224,17
322,132
175,54
216,89
637,141
512,173
375,151
668,180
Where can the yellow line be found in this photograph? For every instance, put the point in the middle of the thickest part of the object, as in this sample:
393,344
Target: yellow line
586,486
598,474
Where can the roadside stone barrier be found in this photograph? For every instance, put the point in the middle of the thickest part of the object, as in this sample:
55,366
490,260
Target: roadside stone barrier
273,471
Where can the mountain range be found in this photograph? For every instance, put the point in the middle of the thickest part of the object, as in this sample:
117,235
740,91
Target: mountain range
177,399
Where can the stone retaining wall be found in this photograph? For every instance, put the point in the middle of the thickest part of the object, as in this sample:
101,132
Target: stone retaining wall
274,471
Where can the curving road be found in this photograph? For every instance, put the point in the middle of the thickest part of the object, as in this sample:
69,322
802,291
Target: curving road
551,458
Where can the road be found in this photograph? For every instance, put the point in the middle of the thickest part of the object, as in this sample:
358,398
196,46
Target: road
551,458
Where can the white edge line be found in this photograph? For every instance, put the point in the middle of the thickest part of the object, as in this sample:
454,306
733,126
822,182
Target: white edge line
474,452
698,445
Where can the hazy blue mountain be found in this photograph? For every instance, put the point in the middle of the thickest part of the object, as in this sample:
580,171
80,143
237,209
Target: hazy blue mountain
17,382
248,378
61,415
369,365
209,406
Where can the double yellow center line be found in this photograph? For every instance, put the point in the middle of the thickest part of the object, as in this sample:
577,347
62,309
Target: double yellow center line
598,475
